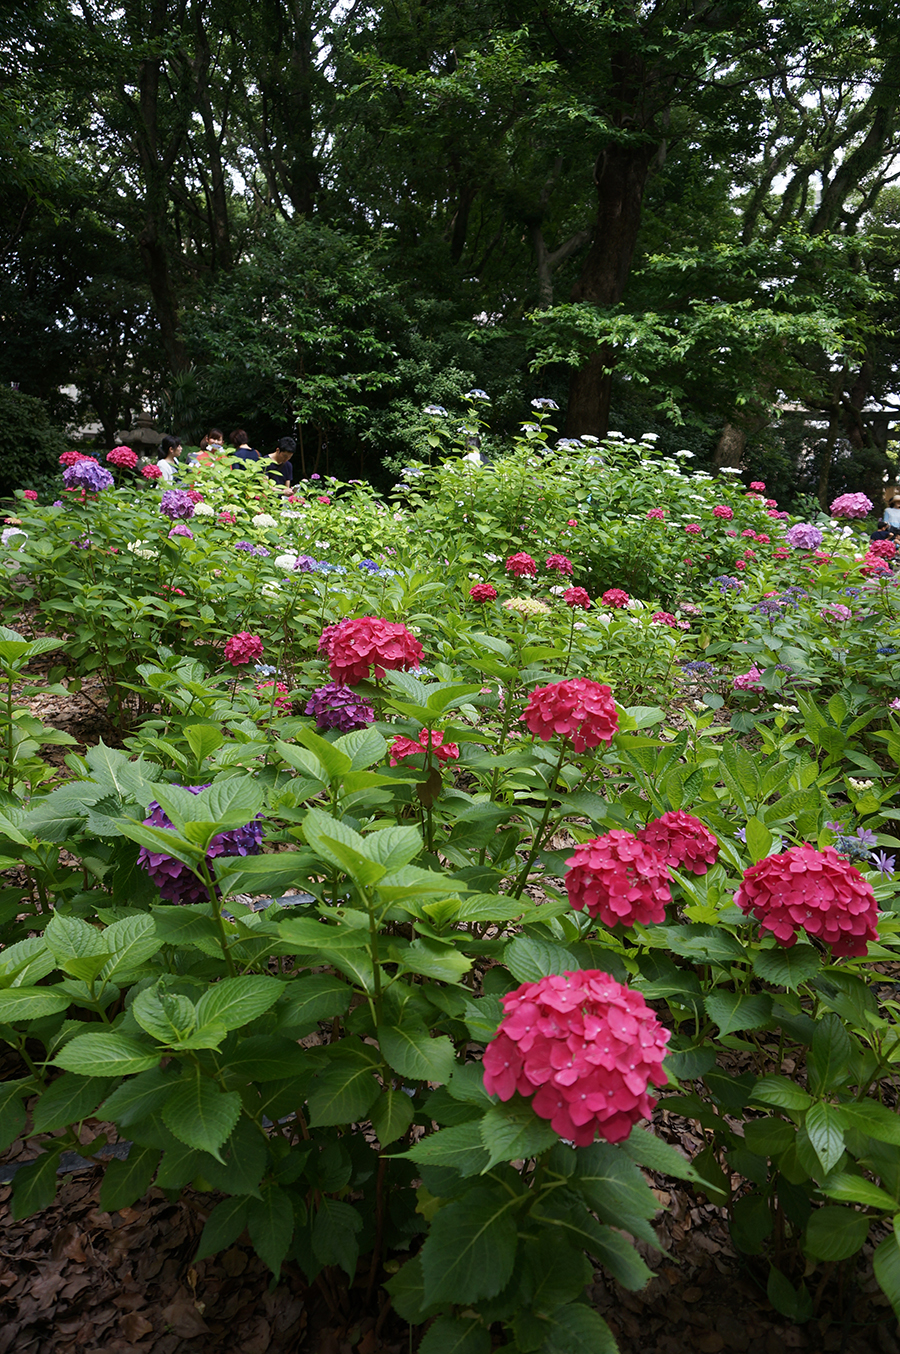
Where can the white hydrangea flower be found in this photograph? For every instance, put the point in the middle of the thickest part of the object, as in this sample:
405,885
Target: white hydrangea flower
138,548
10,533
287,562
729,470
271,590
635,604
649,437
688,454
860,786
264,520
203,510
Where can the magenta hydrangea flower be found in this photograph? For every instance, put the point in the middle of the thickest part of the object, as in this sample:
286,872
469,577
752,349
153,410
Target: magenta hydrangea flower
123,457
560,564
851,506
337,707
656,514
819,891
619,878
585,1048
682,840
722,510
577,597
521,565
176,883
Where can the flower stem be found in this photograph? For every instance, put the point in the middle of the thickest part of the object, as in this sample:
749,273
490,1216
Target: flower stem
538,836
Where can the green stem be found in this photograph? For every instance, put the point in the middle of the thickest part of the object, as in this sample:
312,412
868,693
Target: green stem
215,900
538,836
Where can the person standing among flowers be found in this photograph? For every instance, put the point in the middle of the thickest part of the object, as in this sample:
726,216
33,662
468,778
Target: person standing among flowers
242,448
169,451
280,468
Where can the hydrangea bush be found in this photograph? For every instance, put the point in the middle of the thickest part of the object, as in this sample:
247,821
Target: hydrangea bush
553,794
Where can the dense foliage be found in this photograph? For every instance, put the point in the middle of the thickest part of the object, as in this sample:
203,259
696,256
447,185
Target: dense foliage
444,836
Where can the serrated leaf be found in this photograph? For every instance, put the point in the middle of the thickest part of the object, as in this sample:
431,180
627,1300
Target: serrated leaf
567,1216
12,1110
411,1051
106,1055
311,998
460,1147
391,1115
34,1185
787,968
857,1189
887,1268
456,1335
835,1233
270,1221
656,1155
873,1119
826,1134
733,1011
234,1002
131,941
782,1093
73,938
31,1003
223,1226
432,959
334,1233
576,1329
200,1114
128,1180
68,1100
342,1094
512,1131
471,1247
140,1096
615,1189
529,959
273,873
167,1016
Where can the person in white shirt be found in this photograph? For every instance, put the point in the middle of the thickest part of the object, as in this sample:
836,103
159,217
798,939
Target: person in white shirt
892,514
169,451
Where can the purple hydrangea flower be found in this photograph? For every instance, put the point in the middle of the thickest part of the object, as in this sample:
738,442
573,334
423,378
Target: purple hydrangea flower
181,530
305,565
58,503
176,883
337,707
87,475
177,503
368,566
803,536
727,583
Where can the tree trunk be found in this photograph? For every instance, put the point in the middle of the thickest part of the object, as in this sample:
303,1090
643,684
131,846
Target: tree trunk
620,175
730,447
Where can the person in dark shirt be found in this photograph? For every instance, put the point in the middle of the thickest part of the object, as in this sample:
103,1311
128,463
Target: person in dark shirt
242,449
280,467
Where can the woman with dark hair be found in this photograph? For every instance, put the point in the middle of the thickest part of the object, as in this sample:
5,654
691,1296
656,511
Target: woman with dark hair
242,449
168,452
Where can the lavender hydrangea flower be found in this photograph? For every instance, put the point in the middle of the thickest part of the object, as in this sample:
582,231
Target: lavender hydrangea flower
176,883
305,564
727,583
803,536
180,529
368,566
87,475
337,707
177,503
697,665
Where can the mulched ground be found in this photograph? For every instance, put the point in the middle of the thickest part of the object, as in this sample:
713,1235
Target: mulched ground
74,1279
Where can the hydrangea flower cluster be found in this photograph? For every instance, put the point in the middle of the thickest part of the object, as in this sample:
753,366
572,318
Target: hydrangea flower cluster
122,457
281,702
836,611
578,709
882,549
86,474
819,891
693,529
151,472
30,494
577,597
620,879
873,566
803,536
177,503
757,486
657,514
727,583
682,840
521,566
749,681
175,881
722,510
73,457
615,597
336,707
408,747
368,645
527,606
585,1048
483,592
666,618
180,529
560,564
851,506
243,648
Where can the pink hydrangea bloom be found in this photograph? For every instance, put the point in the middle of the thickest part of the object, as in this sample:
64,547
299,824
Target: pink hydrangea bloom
851,505
693,528
521,566
619,878
578,709
560,564
748,531
243,648
758,486
264,691
730,533
722,510
227,519
123,457
657,514
819,891
762,539
369,645
880,549
483,592
836,611
682,840
576,597
30,494
409,747
873,566
585,1047
615,597
151,472
664,618
749,681
72,457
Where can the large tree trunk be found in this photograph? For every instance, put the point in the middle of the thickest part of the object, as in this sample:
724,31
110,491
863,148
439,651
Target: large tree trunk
621,176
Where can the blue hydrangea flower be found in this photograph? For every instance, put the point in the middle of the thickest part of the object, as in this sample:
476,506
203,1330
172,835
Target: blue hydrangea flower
436,410
544,403
476,394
